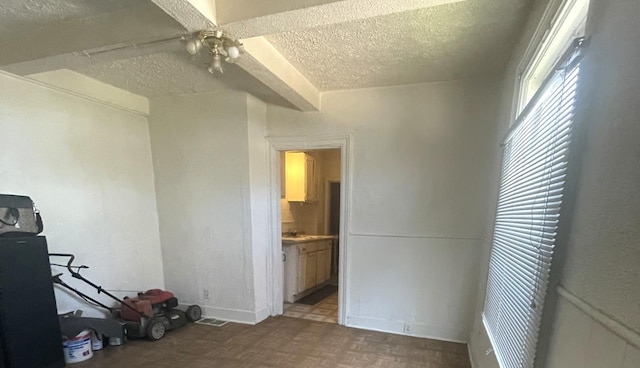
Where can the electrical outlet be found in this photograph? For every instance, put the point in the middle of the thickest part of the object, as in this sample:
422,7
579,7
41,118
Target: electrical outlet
407,328
205,293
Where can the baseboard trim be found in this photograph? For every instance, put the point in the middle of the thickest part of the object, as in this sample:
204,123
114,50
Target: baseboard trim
473,364
233,315
398,328
262,314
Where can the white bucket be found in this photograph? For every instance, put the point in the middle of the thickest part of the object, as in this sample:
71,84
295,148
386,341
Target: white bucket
78,349
96,341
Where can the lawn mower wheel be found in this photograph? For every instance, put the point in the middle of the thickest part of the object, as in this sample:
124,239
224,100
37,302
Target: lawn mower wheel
194,313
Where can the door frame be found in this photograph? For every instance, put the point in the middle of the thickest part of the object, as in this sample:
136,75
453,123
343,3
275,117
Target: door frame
274,251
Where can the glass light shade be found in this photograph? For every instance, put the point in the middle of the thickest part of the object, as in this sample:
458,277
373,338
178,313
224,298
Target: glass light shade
193,46
233,52
216,64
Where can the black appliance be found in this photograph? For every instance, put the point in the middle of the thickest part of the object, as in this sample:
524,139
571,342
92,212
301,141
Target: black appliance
29,329
19,216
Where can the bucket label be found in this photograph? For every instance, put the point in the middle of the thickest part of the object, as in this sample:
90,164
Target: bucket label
78,349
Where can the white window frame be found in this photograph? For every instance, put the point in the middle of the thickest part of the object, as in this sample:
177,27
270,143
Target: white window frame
563,21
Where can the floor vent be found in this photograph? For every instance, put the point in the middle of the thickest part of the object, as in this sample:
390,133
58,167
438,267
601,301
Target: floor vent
212,322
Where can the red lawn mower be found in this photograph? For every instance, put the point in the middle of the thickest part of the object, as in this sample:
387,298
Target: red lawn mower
150,314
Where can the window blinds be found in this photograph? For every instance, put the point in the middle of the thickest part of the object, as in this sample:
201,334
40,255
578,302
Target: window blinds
529,201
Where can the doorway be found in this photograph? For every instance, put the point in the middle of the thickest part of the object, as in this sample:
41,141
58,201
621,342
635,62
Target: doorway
326,254
310,213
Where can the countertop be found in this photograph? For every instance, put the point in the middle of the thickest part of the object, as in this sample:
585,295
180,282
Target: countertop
290,240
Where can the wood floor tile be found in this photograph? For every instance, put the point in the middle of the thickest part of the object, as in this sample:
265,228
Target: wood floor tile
281,342
325,311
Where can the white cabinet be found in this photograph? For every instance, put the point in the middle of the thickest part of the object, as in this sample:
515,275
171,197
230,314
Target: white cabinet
307,266
300,177
302,271
311,182
310,277
314,264
290,259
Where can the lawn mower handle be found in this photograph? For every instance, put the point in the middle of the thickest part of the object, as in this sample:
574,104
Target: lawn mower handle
78,276
58,280
71,258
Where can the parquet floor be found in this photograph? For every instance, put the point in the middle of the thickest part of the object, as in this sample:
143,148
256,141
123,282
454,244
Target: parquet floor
281,342
324,311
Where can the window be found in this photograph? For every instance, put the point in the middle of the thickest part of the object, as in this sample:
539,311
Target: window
567,25
529,202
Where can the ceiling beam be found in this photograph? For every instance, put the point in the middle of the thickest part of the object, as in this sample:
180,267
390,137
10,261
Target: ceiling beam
325,14
82,59
266,64
236,10
194,15
261,60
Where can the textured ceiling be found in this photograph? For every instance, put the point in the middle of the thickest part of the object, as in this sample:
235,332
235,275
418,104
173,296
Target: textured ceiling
37,12
155,75
460,40
236,10
171,73
33,30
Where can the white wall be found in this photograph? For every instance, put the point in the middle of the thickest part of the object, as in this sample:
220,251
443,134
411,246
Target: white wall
90,88
600,243
259,192
602,259
88,167
603,251
421,162
292,215
205,157
582,338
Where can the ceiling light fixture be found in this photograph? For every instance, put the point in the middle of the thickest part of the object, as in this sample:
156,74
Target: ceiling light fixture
220,46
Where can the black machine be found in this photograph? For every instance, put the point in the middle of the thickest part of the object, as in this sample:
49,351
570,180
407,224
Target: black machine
19,217
30,335
149,314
